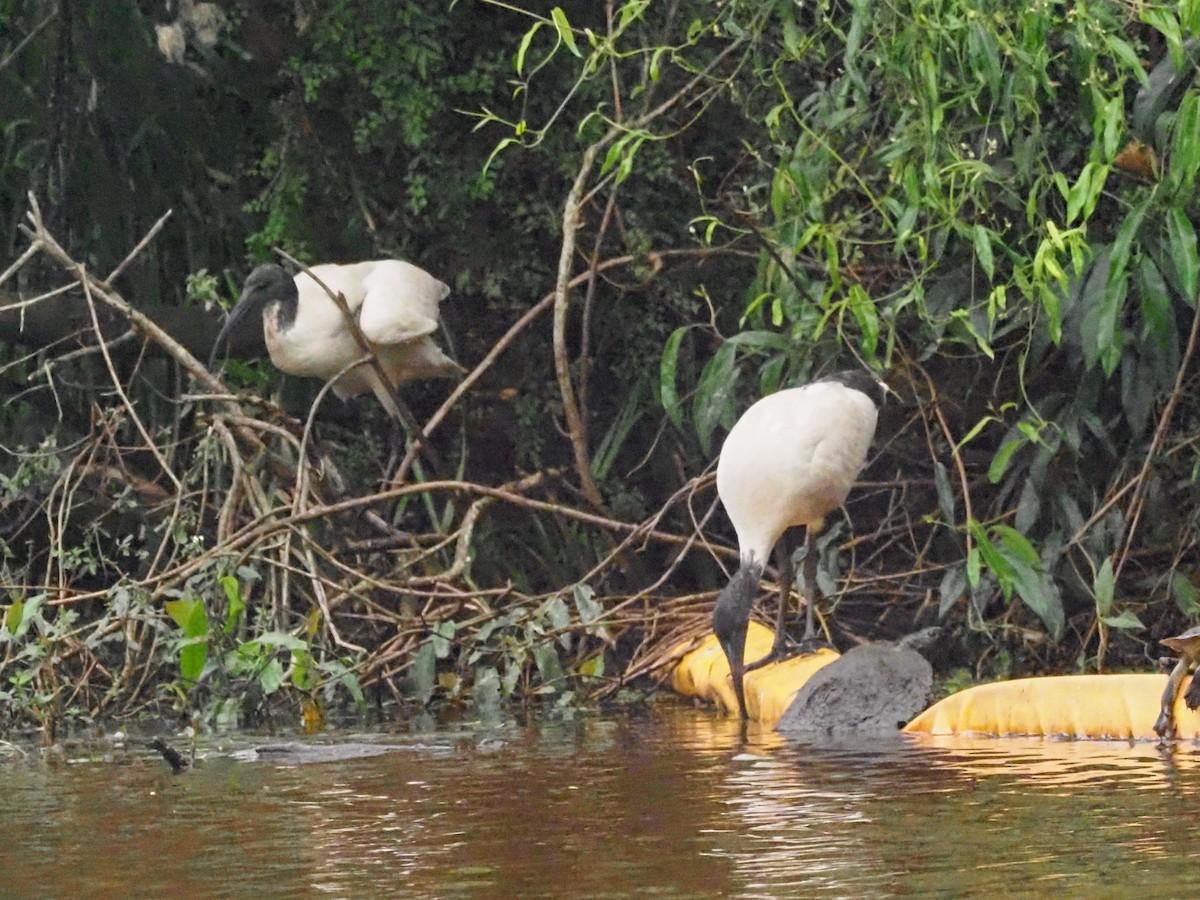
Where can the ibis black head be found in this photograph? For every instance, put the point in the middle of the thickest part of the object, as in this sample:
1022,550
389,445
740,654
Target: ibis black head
863,381
267,284
731,618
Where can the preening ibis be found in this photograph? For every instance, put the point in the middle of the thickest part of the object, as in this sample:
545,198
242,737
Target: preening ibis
395,303
790,460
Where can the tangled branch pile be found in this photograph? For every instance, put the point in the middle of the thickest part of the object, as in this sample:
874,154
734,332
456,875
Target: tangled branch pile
995,206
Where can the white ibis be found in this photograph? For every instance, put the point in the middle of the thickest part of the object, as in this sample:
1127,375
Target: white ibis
790,460
395,303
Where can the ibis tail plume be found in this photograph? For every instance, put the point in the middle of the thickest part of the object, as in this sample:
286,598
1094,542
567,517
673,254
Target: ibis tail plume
394,302
790,460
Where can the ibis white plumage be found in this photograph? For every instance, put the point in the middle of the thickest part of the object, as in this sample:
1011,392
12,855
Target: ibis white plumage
394,302
790,460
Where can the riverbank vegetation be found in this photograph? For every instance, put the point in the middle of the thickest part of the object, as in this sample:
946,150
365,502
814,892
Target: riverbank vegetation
650,213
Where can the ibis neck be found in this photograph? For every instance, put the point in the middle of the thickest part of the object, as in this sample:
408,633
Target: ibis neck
732,609
283,309
731,617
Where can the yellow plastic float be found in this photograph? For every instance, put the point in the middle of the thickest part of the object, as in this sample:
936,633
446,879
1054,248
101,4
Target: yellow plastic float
1097,707
704,673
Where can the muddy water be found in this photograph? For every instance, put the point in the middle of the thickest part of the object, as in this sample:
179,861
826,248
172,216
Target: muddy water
670,803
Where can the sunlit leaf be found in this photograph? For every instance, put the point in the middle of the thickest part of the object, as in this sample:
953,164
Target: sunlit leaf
303,676
1002,458
563,27
271,676
593,668
524,46
237,605
13,616
193,655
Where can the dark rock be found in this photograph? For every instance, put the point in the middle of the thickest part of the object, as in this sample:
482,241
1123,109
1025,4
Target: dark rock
874,689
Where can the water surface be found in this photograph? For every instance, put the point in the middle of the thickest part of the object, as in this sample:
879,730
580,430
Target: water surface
668,803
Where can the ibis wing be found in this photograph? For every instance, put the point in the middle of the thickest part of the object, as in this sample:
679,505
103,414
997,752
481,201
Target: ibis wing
400,303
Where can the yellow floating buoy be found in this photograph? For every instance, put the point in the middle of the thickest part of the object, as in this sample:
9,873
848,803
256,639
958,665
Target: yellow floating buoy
704,673
1097,707
1100,707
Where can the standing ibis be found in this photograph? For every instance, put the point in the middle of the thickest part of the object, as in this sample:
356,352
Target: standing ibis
394,302
790,460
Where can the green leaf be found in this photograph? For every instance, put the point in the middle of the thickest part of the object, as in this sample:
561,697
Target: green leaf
193,655
766,340
945,495
281,639
1186,594
1182,239
347,679
992,558
190,615
1104,587
563,27
1185,144
525,42
1018,545
1002,458
549,668
1040,595
714,394
1127,620
974,432
237,605
1126,54
614,439
585,603
985,57
668,393
443,637
953,586
629,12
13,616
486,690
422,673
560,620
983,250
304,677
863,308
271,676
592,668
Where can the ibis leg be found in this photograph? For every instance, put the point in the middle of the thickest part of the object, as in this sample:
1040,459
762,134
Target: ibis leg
787,576
782,647
811,592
